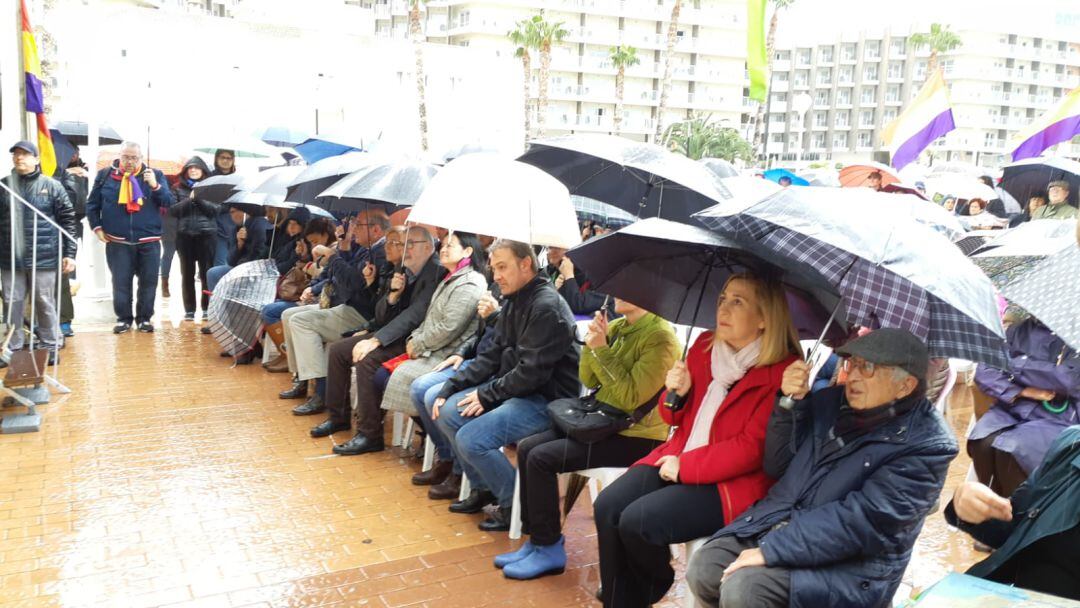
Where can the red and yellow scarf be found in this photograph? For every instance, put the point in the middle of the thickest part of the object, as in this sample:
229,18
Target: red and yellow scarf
131,195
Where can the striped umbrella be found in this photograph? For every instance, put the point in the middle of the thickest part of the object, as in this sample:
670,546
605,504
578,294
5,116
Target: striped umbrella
592,210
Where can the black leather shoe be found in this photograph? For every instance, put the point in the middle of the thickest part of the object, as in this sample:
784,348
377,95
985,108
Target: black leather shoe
475,503
298,390
312,406
449,489
359,445
146,327
120,328
205,330
328,428
496,521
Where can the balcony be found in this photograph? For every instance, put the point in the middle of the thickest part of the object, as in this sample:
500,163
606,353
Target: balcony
848,59
871,57
382,11
867,103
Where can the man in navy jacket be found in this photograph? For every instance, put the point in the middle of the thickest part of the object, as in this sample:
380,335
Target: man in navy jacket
859,468
124,211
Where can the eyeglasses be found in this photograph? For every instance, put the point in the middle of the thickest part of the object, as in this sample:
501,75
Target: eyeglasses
415,243
866,368
394,244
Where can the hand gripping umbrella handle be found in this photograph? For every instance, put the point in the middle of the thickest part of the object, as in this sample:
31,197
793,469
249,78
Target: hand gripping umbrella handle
787,402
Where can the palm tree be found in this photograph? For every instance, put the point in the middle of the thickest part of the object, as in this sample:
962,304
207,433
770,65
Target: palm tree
526,39
940,40
665,84
699,138
770,50
547,33
622,57
418,49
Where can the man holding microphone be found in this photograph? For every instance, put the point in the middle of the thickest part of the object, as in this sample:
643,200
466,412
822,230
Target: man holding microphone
124,211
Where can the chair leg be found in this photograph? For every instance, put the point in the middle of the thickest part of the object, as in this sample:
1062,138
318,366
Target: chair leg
406,439
515,510
465,487
429,454
395,437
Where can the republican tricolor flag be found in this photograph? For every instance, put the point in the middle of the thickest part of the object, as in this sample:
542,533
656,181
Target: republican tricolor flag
928,117
35,100
1060,123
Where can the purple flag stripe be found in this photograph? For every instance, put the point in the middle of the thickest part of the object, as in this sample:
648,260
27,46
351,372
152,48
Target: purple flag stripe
35,100
1062,130
910,149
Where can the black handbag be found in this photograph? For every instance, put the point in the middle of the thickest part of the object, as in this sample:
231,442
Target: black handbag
588,420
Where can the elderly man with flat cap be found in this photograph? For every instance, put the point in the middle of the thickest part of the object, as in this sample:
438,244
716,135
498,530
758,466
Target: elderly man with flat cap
859,467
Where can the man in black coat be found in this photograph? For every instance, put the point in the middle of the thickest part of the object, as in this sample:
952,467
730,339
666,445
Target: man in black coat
502,396
397,313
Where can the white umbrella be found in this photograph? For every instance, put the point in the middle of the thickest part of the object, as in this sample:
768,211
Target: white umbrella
960,186
495,196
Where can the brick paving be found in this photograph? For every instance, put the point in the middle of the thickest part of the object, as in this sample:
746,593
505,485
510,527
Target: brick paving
170,478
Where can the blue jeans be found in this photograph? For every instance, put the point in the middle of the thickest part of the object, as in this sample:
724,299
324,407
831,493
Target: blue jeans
221,251
424,390
214,275
126,263
271,313
476,440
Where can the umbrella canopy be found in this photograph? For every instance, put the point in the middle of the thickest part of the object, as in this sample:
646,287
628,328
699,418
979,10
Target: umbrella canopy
1050,292
241,145
78,133
314,178
827,178
397,184
891,271
237,302
63,148
720,167
855,176
899,188
325,146
645,180
282,137
220,188
275,181
589,210
249,202
668,267
1030,176
315,211
960,186
495,196
774,175
1017,250
469,148
940,169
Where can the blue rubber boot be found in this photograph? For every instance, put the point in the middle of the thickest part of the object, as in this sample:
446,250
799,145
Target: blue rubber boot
526,550
542,561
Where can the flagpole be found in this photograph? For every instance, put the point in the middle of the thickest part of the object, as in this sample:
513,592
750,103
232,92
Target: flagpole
24,118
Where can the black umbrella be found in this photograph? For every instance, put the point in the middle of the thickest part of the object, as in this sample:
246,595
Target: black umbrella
388,184
251,203
667,267
78,133
1031,176
645,180
318,176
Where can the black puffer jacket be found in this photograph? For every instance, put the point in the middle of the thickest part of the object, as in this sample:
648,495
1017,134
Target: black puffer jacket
196,216
534,350
48,196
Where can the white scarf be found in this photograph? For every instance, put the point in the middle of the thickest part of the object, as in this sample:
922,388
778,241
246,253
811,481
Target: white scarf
728,367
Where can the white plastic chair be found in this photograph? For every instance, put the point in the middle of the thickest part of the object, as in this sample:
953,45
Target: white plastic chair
942,402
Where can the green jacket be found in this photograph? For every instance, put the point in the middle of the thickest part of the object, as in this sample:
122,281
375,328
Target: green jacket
1064,211
631,369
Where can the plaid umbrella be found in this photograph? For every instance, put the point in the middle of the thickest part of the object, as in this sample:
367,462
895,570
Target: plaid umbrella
891,271
237,302
592,210
1018,250
1050,292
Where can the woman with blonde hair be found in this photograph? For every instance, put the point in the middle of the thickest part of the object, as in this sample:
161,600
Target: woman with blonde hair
710,470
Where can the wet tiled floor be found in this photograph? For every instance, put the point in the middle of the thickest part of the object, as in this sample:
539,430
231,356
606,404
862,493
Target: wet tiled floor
169,478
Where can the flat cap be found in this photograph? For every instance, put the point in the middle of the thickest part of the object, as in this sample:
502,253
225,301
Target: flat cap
894,347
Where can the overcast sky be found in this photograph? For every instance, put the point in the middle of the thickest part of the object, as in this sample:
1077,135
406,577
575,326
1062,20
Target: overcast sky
810,20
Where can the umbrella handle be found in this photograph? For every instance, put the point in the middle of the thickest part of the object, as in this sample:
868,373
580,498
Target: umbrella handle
787,402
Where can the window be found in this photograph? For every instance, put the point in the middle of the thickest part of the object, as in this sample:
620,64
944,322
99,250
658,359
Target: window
839,140
846,75
865,140
777,138
843,97
803,57
818,141
868,95
824,76
825,55
783,55
866,118
821,119
896,69
779,97
802,78
777,119
870,72
781,76
847,52
920,69
843,118
892,92
990,139
888,116
872,49
897,46
821,98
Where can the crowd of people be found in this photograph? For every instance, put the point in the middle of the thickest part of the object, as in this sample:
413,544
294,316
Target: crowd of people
816,504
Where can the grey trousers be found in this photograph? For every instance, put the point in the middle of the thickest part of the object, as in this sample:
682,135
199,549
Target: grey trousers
309,330
759,587
45,314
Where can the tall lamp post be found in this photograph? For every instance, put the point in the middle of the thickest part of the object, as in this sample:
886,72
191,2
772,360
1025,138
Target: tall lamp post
801,104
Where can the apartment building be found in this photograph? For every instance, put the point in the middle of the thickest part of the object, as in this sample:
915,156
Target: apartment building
846,90
707,71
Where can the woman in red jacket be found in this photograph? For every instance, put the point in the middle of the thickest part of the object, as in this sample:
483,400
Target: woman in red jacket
709,471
